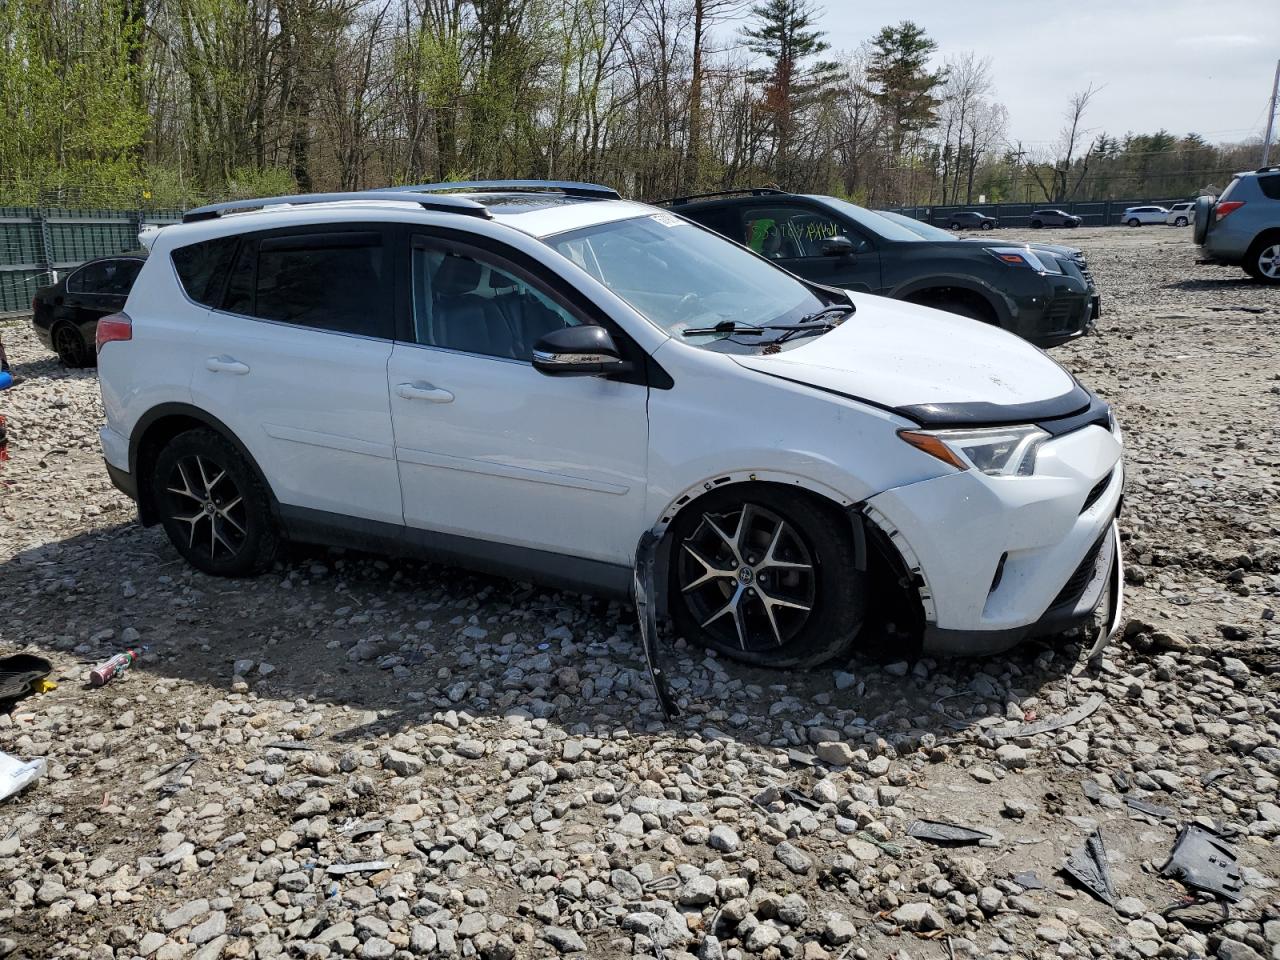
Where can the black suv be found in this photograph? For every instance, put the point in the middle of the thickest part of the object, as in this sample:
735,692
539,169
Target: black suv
971,220
1036,294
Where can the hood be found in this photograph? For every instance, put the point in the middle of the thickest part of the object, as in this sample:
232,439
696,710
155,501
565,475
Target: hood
929,366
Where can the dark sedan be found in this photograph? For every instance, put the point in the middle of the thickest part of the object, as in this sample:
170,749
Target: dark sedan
66,315
971,220
1054,218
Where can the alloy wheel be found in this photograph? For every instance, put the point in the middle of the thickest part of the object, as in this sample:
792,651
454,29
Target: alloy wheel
204,496
68,345
1269,261
748,577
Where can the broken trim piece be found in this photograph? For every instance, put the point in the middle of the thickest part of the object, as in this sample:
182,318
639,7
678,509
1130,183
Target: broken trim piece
1202,860
914,569
646,612
1087,865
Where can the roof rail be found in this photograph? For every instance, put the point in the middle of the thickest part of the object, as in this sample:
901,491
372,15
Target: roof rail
1271,169
749,191
570,188
440,204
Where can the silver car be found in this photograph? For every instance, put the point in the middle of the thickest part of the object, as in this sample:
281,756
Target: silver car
1242,227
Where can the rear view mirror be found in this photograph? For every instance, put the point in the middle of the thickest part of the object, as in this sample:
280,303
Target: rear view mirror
837,246
581,351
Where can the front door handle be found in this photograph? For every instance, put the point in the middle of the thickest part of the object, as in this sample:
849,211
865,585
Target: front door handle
225,364
420,390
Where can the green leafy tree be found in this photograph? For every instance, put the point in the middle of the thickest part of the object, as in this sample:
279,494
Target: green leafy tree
901,83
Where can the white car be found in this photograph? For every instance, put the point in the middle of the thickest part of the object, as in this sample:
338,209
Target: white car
542,380
1181,214
1137,216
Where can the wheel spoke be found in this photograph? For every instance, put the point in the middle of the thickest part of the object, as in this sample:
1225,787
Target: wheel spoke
225,514
728,540
771,555
186,490
742,532
215,481
191,522
219,538
204,477
710,571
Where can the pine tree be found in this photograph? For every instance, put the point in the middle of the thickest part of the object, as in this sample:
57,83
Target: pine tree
901,83
786,36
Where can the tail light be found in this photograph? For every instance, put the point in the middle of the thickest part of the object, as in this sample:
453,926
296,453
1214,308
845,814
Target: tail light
118,326
1222,210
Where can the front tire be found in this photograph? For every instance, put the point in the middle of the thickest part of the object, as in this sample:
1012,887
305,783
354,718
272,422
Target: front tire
987,226
213,506
1180,222
766,577
1037,224
1134,222
70,346
1263,261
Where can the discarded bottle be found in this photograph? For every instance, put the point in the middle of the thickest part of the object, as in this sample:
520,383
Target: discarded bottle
104,673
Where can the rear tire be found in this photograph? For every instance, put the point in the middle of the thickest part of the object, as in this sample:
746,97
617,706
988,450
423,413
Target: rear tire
213,506
70,346
987,226
1134,222
1262,262
1180,222
766,577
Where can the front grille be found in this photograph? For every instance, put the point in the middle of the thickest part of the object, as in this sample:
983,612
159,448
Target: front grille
1083,266
1098,490
1074,587
1061,314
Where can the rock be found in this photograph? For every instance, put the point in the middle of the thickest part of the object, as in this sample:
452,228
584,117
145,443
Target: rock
792,857
185,914
564,940
835,752
917,916
697,891
1011,757
838,931
723,838
404,764
1130,907
1230,949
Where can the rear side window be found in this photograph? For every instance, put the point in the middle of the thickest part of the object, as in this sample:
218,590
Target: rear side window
326,281
202,268
1270,186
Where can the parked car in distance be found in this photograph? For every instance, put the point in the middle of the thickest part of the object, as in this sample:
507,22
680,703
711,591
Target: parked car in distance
1242,227
1137,216
1053,218
971,220
1074,255
544,380
831,241
1181,214
65,315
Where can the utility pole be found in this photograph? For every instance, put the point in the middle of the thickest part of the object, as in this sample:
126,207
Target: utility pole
1271,117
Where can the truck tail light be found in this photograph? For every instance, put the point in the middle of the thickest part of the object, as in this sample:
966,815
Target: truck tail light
1222,210
117,326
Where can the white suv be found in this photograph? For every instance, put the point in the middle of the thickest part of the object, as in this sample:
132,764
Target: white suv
1181,214
542,380
1137,216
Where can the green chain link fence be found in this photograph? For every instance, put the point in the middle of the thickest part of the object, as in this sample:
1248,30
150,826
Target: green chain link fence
38,244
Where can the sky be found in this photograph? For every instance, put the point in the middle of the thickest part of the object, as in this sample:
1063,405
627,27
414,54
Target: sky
1203,66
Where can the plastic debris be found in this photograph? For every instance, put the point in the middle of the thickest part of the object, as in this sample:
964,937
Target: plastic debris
16,774
1197,911
107,671
1028,880
1149,808
364,866
21,674
1202,860
950,834
646,552
1049,724
1087,865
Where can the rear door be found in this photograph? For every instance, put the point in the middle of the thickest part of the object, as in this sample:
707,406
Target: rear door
294,361
795,236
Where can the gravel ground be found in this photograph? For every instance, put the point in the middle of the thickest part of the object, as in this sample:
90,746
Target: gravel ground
360,757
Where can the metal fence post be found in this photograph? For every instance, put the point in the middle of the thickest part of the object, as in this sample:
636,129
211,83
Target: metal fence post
46,242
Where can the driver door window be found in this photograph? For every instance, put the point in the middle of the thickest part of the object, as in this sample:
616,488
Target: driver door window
465,304
791,233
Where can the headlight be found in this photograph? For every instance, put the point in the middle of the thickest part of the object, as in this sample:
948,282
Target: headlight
1026,257
995,451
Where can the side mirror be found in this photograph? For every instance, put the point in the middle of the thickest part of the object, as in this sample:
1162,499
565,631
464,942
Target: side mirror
581,351
837,246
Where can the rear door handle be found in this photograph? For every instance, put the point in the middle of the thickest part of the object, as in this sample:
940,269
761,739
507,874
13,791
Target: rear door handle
225,364
420,390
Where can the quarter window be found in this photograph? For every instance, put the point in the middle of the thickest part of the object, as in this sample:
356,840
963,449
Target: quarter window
202,268
467,304
106,277
1270,186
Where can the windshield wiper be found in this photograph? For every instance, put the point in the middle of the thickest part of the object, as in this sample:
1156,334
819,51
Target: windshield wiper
804,324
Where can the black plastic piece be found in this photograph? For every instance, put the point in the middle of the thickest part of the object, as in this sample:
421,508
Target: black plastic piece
1087,865
570,188
646,551
19,672
981,413
748,192
1202,860
946,834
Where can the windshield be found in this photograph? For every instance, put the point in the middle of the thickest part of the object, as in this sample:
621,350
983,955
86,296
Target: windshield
925,230
874,222
683,277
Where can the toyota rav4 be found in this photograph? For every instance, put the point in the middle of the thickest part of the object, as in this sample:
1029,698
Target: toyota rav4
546,381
